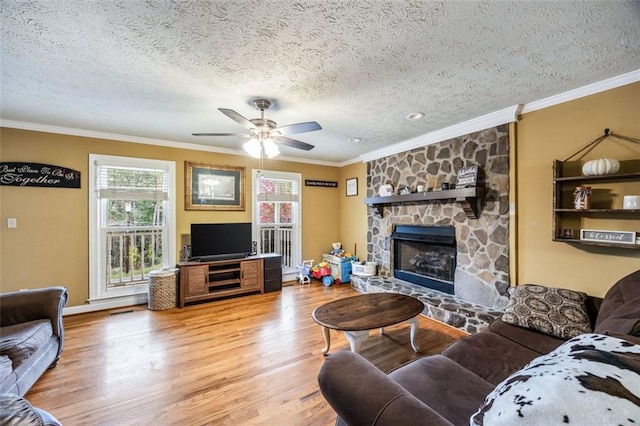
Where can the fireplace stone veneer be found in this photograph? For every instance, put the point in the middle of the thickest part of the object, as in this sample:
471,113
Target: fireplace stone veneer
482,244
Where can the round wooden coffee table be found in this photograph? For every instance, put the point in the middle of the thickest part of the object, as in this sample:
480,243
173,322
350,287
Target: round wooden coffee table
357,315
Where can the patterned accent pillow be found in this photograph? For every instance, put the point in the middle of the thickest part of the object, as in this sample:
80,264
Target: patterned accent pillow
591,379
555,311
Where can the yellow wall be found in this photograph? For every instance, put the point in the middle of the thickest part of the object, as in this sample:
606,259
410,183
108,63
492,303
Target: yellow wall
50,244
353,217
555,133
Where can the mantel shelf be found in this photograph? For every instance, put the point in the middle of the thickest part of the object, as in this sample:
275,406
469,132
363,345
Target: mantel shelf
468,197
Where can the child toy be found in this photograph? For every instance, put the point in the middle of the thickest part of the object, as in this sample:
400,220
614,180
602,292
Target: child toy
337,249
304,271
322,271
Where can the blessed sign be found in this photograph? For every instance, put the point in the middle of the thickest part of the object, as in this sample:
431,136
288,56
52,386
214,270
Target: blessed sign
621,237
36,174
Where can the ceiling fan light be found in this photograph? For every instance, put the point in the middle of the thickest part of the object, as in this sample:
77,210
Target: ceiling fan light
270,148
253,148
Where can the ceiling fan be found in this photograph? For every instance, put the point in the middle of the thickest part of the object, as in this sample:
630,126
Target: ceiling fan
263,129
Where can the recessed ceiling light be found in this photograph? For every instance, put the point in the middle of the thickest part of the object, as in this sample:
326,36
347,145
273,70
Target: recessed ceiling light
415,116
354,140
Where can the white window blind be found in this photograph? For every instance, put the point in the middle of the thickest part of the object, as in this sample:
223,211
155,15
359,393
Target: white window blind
274,189
132,183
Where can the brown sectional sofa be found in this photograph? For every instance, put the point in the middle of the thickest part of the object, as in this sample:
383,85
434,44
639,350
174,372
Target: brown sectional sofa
31,336
447,389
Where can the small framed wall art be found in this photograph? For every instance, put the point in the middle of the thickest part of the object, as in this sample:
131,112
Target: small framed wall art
352,187
210,187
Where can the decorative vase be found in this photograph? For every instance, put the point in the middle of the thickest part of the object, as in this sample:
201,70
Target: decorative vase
582,198
601,166
386,189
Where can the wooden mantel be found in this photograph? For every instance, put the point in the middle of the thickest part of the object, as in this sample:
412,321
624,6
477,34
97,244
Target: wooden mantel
467,197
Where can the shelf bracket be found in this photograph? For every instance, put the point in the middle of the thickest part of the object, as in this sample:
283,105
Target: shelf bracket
378,210
470,206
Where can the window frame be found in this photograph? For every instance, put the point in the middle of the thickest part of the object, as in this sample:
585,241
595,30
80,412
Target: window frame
137,293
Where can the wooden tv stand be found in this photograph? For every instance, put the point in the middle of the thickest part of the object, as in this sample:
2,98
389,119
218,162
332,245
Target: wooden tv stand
220,278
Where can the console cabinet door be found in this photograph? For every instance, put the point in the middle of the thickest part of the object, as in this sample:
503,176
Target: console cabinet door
195,280
251,273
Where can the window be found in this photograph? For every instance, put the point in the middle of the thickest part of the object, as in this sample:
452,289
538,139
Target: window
277,204
132,224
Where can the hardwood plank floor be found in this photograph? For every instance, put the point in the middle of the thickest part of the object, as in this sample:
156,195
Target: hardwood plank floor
248,360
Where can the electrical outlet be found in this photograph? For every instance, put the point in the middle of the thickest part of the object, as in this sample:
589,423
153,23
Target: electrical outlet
12,222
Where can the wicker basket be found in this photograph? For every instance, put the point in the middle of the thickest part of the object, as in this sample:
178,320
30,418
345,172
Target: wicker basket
162,289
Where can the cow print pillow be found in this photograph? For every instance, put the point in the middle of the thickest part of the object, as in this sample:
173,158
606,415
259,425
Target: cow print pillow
555,311
590,379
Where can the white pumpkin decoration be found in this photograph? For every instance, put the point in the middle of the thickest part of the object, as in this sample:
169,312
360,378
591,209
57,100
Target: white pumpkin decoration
601,166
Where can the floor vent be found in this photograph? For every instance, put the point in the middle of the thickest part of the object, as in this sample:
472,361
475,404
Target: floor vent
122,312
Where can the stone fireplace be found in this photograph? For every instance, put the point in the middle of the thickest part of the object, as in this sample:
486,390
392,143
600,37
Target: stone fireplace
425,255
478,271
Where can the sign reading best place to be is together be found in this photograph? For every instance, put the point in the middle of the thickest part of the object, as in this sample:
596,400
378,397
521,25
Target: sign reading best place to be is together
36,174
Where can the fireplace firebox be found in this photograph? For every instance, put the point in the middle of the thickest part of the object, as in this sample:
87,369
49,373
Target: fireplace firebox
425,255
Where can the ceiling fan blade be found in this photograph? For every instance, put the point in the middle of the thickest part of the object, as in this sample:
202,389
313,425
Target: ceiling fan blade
309,126
293,143
244,135
237,118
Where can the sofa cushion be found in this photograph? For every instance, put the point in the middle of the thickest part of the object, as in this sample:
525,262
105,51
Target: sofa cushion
6,367
433,379
531,339
19,341
489,355
554,311
590,378
620,309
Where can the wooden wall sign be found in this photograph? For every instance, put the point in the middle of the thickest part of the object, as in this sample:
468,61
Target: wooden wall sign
467,177
324,183
36,174
621,237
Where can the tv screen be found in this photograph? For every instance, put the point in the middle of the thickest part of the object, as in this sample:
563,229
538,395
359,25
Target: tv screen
210,241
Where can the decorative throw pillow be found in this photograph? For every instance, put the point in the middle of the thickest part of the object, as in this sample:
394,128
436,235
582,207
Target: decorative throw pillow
590,379
555,311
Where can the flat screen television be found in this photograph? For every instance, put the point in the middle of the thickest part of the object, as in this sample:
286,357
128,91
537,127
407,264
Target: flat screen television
218,241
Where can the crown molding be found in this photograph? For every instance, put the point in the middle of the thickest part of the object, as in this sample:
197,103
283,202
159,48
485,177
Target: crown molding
581,92
504,116
493,119
36,127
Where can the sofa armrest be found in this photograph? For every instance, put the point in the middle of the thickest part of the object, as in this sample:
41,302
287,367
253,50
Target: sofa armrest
361,394
29,305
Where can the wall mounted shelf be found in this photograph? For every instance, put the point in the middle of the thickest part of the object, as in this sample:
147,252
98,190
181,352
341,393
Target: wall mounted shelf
467,197
564,216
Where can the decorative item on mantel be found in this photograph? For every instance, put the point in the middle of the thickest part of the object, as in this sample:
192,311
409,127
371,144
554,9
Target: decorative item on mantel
386,189
582,198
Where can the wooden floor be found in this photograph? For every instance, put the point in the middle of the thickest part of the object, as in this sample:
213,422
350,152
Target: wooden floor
248,360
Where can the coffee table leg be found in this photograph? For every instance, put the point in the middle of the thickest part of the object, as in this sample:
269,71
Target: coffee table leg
327,340
356,338
414,329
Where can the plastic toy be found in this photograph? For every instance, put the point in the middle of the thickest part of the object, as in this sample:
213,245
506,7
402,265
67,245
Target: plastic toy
337,249
304,271
322,271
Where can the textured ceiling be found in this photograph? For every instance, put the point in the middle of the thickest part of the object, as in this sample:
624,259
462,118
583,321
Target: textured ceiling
161,69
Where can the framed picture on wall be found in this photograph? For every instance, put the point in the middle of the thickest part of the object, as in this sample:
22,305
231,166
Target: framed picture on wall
210,187
352,187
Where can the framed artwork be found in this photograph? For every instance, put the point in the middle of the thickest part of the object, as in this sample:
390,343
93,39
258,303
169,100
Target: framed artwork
352,187
209,187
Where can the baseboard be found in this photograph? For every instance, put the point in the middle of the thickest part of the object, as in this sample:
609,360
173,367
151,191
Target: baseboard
101,305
